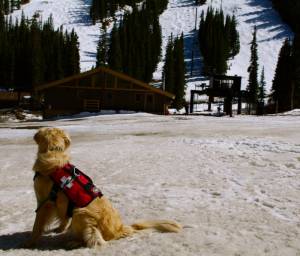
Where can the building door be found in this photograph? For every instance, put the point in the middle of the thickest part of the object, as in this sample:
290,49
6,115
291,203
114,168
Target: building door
91,105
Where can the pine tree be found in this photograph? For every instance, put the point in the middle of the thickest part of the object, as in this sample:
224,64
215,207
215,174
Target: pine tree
1,7
168,70
218,41
73,53
252,87
102,48
31,53
296,71
140,41
200,2
94,11
262,87
58,67
289,11
115,54
37,65
261,93
281,87
234,39
179,67
174,70
6,7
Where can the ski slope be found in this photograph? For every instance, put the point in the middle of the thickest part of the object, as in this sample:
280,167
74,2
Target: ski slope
180,16
69,14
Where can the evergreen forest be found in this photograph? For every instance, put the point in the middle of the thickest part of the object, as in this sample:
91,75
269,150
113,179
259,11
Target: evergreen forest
174,70
289,10
101,9
200,2
8,6
285,92
135,43
32,53
219,40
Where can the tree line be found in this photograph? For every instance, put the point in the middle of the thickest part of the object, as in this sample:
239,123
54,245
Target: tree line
101,9
135,43
200,2
218,40
8,6
32,53
174,70
256,92
289,10
285,92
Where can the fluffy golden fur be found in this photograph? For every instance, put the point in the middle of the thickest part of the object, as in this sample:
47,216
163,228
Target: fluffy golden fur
90,226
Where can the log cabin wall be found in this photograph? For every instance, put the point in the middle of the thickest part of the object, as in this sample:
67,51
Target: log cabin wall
102,90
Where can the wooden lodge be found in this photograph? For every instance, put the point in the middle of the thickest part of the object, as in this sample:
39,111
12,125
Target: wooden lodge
101,89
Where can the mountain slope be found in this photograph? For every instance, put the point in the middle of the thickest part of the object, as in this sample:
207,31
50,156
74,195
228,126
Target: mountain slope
69,14
180,17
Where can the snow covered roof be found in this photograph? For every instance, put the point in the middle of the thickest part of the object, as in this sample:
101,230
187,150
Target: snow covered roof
109,71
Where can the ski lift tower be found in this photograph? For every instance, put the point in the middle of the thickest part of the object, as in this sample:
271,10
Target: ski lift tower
222,86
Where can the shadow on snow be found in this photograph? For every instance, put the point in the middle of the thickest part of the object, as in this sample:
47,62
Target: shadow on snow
48,242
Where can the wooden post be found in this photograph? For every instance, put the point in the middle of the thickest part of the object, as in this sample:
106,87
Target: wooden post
292,95
239,111
192,102
210,100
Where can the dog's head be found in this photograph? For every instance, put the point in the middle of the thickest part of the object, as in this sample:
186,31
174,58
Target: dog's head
52,139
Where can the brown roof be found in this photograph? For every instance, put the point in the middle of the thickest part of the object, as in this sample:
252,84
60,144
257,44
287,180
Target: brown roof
109,71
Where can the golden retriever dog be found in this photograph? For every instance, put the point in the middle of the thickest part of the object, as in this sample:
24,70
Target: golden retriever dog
89,226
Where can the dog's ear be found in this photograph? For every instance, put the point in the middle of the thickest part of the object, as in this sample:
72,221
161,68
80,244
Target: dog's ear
37,136
67,140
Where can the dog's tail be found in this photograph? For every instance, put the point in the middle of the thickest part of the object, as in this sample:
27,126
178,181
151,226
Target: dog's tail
160,225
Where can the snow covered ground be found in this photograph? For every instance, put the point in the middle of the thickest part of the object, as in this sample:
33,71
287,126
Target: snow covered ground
232,182
180,17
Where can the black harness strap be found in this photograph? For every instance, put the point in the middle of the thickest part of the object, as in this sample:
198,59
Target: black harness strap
53,196
87,187
70,209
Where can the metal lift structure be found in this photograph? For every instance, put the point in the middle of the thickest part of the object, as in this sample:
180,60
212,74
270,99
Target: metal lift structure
221,86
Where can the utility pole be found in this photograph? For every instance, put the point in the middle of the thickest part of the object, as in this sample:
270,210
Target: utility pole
196,17
193,46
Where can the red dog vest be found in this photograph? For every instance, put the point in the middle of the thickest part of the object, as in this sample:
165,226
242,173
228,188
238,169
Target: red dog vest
77,186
